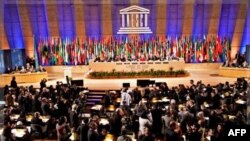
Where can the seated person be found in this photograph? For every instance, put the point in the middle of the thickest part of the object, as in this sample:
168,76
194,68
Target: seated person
245,64
16,69
97,59
37,124
142,58
23,70
32,69
41,69
8,70
28,66
123,58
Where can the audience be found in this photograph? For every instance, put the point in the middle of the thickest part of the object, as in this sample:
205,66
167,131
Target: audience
192,112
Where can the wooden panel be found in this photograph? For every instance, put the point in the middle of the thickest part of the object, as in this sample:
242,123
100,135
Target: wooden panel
188,17
139,66
215,19
79,19
26,28
5,43
161,23
23,78
234,72
52,18
107,19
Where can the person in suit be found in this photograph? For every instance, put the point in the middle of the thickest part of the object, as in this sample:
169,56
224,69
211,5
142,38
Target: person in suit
83,130
93,135
74,121
13,83
8,70
171,135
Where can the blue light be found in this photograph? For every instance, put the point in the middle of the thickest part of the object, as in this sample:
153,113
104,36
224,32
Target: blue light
66,20
228,18
201,19
174,17
93,19
12,26
38,19
117,5
151,5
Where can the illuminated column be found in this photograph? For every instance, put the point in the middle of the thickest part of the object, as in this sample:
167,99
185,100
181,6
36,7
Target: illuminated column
141,22
137,20
146,20
123,20
128,20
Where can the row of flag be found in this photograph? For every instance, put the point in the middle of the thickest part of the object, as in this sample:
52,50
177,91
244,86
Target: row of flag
65,51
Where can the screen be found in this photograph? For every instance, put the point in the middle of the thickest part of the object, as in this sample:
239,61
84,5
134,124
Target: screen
143,83
125,84
77,82
2,66
17,57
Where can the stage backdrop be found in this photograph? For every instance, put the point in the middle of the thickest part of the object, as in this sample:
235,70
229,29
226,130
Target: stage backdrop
24,19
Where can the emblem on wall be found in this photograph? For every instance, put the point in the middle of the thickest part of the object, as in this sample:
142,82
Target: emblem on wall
134,20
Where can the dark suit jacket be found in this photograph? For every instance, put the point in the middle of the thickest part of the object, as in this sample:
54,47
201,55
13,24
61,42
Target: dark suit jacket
83,131
13,84
171,135
74,121
93,135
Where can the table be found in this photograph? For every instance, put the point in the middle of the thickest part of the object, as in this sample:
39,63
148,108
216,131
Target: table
5,79
234,72
19,133
137,66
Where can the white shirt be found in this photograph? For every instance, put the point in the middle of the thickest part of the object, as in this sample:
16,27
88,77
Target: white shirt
142,124
125,97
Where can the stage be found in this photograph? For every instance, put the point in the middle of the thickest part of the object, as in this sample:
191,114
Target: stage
207,72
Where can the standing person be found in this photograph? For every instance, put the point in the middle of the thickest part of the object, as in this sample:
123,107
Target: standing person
13,83
61,129
125,98
171,135
146,136
83,130
93,135
124,136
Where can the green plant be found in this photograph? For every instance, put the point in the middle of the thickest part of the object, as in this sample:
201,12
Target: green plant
152,73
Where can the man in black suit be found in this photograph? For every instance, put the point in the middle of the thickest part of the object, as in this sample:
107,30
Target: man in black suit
13,83
92,132
171,135
83,130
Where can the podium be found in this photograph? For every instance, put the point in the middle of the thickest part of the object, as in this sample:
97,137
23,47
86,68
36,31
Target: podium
67,72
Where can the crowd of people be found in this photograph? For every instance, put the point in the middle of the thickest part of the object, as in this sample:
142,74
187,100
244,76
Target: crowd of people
191,112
